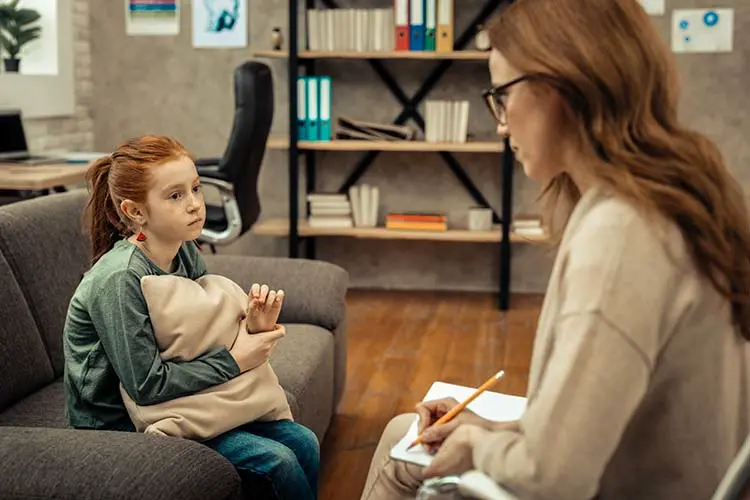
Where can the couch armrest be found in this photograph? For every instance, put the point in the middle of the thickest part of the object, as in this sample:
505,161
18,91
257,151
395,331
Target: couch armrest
315,291
82,464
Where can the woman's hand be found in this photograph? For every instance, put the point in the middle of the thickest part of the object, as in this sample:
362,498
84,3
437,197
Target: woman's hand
253,350
455,454
264,307
431,411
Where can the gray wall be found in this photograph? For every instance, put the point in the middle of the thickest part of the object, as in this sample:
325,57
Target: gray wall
163,85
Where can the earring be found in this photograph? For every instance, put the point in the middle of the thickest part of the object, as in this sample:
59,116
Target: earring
140,236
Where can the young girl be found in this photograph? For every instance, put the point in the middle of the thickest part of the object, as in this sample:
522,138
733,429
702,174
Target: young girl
145,211
639,385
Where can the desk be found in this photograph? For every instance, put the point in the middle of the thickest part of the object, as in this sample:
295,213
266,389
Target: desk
40,177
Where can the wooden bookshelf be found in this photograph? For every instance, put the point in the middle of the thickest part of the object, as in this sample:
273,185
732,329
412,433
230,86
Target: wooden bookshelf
458,55
280,227
420,146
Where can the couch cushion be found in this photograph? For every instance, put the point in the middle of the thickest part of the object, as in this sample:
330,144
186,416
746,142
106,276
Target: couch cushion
24,364
44,408
48,251
303,361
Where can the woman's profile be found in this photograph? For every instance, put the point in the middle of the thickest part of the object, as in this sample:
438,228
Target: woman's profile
639,385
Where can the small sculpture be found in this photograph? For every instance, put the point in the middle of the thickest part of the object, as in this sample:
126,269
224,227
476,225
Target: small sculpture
277,39
482,39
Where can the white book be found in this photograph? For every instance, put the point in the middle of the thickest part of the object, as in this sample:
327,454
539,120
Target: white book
356,205
329,26
372,213
329,222
493,406
364,204
464,121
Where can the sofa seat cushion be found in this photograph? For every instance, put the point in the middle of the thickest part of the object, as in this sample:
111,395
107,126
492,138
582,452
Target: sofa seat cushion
303,361
44,408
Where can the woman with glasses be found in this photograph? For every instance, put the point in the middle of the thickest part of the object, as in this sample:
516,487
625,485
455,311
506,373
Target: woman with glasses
639,385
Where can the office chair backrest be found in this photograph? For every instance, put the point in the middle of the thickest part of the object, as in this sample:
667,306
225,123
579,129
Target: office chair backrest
253,116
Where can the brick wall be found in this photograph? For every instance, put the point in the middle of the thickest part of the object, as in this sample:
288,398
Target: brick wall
74,132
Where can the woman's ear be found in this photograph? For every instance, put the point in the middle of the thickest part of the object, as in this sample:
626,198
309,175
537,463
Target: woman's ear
133,211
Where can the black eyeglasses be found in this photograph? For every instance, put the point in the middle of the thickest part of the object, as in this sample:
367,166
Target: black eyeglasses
496,99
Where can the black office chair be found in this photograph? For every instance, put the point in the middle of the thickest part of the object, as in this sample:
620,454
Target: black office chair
236,173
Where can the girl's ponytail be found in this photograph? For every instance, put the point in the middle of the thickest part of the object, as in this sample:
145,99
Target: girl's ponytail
101,214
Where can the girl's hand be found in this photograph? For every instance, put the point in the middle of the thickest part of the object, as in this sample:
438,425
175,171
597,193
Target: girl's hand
250,351
264,307
455,454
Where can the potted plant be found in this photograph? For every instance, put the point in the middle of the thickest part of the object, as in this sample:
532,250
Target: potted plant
17,28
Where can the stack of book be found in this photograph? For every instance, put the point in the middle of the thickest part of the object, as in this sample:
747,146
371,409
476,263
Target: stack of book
527,225
361,130
416,221
365,200
350,30
446,121
329,210
410,25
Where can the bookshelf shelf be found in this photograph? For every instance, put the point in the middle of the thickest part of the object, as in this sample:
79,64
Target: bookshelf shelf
414,146
456,55
280,227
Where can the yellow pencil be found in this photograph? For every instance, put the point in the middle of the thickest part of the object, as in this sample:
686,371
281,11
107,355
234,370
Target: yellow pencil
459,407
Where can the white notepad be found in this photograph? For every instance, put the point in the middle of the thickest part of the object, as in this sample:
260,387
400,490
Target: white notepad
490,405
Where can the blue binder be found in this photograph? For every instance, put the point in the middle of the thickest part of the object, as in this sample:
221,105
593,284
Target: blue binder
302,108
313,109
324,97
417,25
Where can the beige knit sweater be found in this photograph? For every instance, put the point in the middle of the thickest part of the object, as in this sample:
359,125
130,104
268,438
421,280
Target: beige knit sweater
639,385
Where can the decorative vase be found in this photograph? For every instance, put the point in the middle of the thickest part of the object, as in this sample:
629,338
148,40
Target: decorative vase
277,39
12,65
482,39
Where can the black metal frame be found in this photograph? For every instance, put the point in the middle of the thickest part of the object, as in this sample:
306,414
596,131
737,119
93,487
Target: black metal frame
409,110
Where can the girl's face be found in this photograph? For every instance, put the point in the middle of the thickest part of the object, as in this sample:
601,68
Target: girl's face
531,116
175,210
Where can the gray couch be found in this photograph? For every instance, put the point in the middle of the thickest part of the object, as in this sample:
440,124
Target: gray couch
43,254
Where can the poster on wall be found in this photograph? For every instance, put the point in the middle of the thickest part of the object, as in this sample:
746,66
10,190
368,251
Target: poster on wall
152,17
702,30
654,7
219,23
40,56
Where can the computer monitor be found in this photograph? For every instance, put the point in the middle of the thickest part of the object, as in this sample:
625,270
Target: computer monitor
12,137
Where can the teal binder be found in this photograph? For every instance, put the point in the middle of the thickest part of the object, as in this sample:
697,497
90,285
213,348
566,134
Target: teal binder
313,109
324,96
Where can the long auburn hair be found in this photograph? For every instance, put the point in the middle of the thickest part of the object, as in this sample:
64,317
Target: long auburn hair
620,83
123,175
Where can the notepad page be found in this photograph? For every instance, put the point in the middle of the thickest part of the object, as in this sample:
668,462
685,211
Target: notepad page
490,405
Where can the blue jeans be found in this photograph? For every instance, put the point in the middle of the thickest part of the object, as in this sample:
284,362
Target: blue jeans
282,457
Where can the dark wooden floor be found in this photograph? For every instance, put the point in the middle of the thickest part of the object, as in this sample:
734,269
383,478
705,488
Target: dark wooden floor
399,344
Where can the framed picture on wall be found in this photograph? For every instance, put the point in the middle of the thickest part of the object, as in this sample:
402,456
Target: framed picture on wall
219,23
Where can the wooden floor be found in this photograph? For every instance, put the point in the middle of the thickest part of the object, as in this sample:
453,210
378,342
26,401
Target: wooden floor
401,342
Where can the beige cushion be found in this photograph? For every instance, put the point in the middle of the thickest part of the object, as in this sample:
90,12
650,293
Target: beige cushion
190,317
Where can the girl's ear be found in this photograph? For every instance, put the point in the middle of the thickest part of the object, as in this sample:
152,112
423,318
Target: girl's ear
133,211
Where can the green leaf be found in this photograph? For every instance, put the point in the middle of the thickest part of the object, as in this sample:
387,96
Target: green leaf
9,47
27,36
27,16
